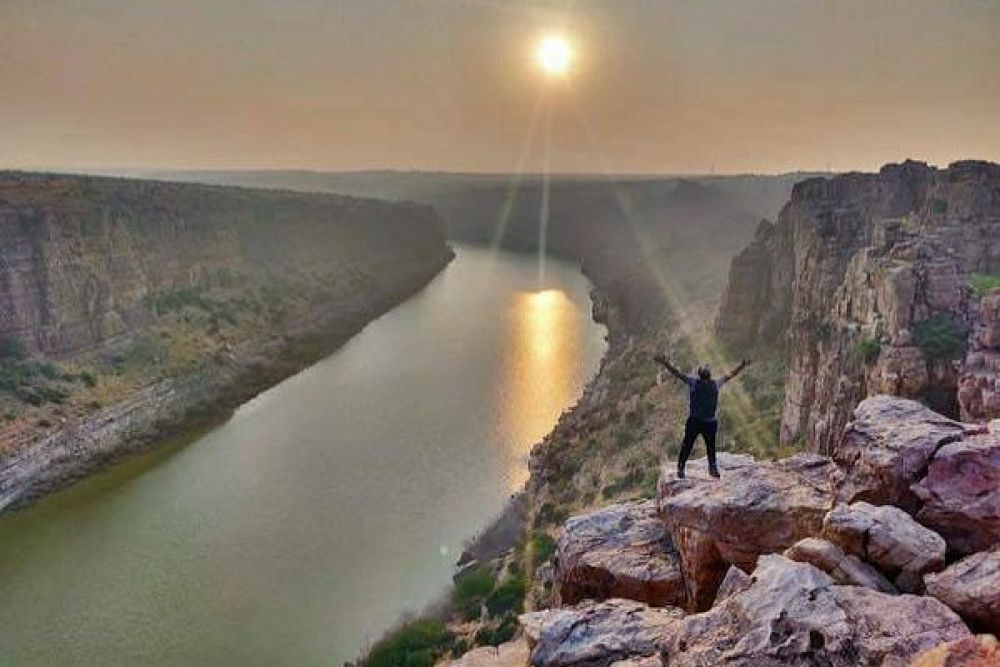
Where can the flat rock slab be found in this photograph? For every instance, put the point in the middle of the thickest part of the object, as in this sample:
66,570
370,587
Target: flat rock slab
961,494
755,508
887,447
843,568
618,551
598,634
793,614
972,588
888,538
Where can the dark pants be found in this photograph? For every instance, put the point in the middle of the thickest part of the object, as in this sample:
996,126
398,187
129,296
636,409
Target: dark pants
692,429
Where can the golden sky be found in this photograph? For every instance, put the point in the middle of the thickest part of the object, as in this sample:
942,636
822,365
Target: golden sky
666,86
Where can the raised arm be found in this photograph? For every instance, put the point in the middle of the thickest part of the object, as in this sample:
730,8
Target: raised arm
662,360
736,371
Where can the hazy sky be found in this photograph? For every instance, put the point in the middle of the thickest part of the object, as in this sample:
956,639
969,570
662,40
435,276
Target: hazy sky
658,85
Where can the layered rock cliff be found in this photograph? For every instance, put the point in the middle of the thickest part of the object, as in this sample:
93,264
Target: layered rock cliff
865,283
82,259
131,308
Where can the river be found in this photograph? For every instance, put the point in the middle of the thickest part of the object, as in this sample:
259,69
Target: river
304,526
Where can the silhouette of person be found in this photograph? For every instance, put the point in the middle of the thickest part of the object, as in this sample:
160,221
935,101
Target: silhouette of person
704,401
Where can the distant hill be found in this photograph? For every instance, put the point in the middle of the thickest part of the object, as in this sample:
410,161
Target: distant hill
634,235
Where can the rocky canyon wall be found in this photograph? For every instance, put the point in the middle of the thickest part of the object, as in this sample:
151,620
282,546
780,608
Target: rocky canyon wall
865,283
82,259
132,310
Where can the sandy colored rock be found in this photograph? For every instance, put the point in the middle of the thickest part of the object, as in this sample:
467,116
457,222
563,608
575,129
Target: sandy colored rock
618,551
756,508
794,614
888,538
887,447
979,651
961,494
846,569
971,587
511,654
598,634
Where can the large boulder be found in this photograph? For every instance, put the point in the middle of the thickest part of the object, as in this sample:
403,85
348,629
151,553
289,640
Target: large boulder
887,447
961,493
972,588
846,569
596,635
618,551
755,508
889,538
980,651
794,614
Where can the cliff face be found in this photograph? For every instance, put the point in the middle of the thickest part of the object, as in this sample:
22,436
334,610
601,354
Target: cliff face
82,259
129,309
865,283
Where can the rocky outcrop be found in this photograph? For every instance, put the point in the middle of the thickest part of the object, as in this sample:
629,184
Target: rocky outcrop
778,572
888,538
618,551
961,493
972,588
794,614
756,508
887,447
846,569
596,635
866,276
980,651
979,387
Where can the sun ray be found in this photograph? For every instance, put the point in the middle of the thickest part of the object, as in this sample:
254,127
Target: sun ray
705,348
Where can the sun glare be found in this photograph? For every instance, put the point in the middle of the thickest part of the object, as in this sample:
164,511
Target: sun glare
554,55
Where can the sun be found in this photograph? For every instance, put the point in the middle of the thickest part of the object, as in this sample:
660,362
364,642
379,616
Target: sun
554,55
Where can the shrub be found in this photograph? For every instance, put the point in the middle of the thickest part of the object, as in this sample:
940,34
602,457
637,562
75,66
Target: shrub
49,370
984,283
939,206
543,545
507,597
549,514
88,379
869,350
473,583
416,644
495,636
940,337
11,348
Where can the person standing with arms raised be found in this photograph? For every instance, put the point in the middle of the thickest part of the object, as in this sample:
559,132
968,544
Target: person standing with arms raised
704,402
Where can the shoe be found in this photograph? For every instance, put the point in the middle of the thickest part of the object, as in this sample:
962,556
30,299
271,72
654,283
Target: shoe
680,473
714,472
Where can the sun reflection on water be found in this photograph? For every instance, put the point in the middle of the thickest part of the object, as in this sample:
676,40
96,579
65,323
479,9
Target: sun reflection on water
540,370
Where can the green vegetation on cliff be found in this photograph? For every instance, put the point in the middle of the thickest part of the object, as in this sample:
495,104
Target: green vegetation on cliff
941,337
984,283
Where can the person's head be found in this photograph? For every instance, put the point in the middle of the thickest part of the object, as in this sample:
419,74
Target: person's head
705,373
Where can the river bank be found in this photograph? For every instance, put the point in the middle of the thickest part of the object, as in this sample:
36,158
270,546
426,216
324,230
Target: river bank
49,459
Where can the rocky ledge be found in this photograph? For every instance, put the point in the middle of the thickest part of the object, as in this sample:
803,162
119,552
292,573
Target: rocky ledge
800,561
